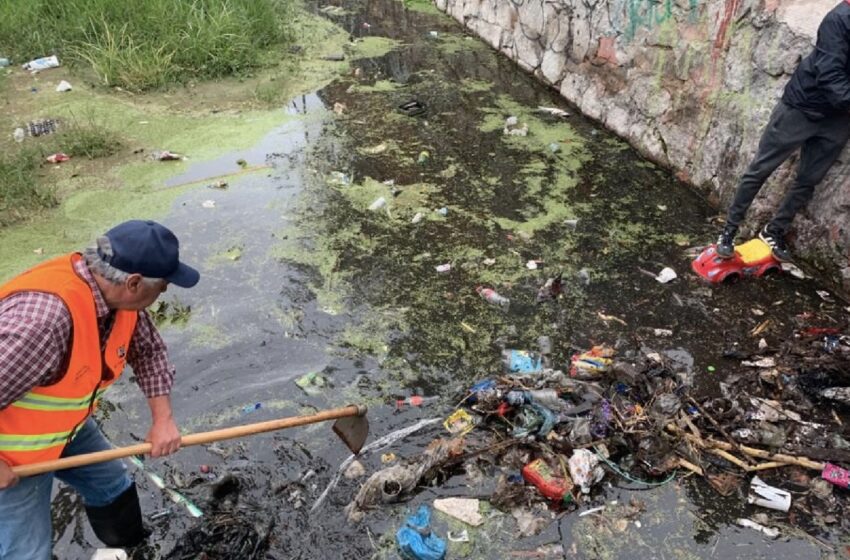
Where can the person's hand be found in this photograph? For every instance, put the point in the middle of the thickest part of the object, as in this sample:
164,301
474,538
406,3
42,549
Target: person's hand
164,437
7,477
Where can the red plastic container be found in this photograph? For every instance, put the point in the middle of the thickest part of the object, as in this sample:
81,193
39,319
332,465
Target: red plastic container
553,484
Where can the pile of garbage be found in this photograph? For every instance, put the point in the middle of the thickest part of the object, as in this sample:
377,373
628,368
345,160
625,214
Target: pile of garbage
554,435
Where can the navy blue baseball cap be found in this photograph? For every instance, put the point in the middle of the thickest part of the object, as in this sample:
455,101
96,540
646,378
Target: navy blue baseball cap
150,249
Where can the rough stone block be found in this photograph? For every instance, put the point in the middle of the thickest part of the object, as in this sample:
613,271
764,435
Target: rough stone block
531,18
529,51
552,67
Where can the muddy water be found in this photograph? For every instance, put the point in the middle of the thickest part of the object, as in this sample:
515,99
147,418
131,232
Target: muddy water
299,276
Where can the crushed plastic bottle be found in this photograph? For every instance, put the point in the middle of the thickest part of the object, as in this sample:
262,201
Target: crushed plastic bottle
415,400
493,297
43,63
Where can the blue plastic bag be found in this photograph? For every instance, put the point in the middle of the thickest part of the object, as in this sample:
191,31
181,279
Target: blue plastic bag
416,541
521,361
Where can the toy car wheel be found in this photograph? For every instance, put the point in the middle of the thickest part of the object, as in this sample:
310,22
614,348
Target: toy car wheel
731,278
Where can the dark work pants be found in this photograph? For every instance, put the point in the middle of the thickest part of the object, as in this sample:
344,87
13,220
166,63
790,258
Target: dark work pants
788,129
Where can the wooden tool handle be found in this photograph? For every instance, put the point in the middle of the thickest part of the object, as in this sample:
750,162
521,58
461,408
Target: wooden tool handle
186,441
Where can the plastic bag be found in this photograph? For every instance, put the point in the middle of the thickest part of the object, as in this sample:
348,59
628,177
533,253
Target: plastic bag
416,541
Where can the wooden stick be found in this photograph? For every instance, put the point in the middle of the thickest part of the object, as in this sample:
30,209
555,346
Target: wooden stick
729,457
691,467
766,466
716,424
191,439
751,451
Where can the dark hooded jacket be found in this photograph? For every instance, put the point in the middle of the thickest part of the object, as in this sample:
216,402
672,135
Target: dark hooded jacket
821,84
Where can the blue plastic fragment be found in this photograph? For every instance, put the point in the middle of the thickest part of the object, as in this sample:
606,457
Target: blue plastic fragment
415,539
251,407
521,361
481,386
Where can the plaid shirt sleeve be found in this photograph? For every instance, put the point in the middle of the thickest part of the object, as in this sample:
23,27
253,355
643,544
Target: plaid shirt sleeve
148,356
35,332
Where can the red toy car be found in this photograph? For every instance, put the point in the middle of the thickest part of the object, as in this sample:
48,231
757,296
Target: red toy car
752,258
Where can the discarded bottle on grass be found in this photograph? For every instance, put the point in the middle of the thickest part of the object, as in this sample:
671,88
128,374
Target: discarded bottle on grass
4,62
43,63
415,400
493,297
555,485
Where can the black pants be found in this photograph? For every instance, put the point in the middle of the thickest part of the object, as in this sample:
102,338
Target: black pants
788,129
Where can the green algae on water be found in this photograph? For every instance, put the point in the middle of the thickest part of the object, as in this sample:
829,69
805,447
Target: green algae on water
380,86
423,6
372,47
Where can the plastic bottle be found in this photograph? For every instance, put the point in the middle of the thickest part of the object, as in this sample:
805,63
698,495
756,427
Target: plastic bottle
19,134
548,398
556,487
493,297
43,63
4,62
415,400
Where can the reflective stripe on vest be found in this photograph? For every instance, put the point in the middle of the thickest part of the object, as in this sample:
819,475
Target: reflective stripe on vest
34,401
38,425
32,442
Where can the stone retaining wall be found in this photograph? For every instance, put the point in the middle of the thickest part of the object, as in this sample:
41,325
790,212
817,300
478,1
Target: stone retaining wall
689,83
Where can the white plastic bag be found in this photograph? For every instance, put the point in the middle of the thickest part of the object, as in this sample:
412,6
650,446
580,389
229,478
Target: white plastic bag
585,470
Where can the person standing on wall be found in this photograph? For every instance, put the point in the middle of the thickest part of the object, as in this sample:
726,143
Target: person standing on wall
813,115
68,326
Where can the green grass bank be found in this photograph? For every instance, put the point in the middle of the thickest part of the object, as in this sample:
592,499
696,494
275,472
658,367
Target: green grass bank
146,44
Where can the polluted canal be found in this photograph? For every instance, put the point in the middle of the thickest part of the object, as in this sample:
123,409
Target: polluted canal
362,264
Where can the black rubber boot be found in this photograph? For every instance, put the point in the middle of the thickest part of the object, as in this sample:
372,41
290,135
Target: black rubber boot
119,524
726,242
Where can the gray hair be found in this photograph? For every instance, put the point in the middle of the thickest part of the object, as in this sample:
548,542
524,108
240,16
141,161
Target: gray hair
96,258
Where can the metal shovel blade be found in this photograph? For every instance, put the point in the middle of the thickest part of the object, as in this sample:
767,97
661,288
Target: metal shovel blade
353,431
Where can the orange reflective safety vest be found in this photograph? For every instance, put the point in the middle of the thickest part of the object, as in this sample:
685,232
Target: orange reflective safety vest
37,426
